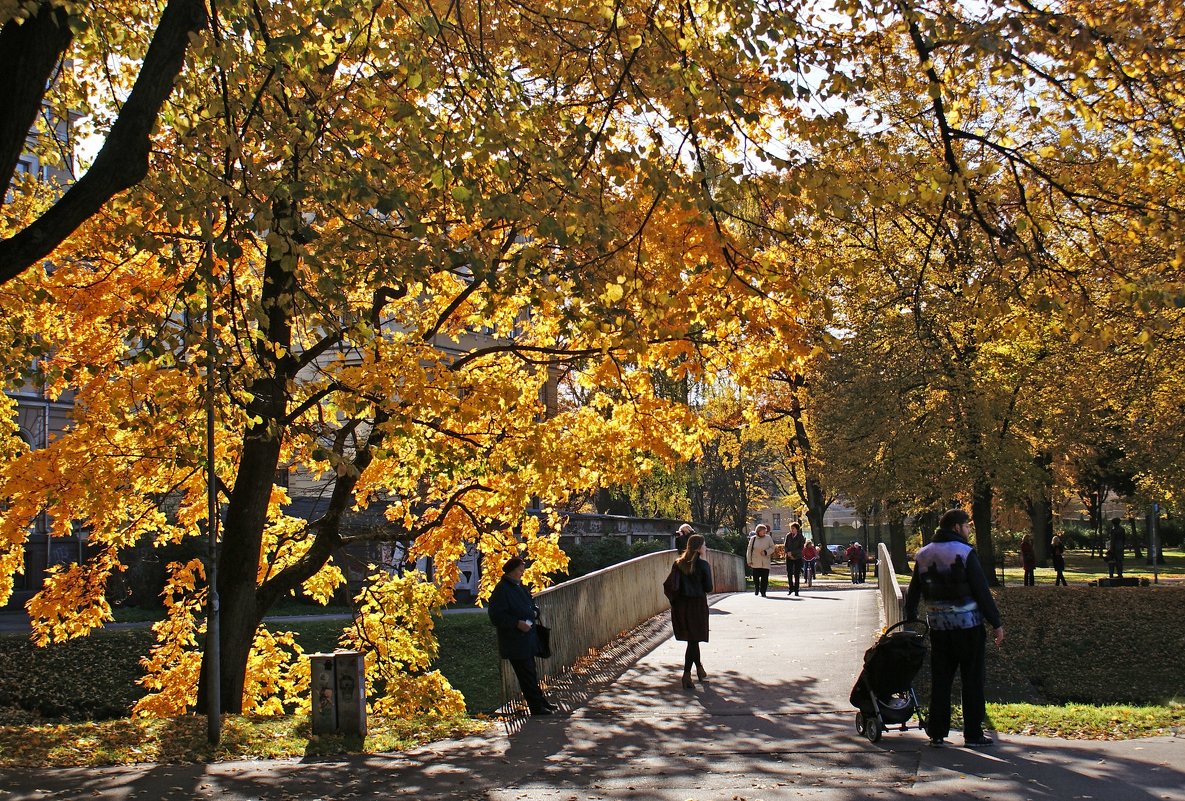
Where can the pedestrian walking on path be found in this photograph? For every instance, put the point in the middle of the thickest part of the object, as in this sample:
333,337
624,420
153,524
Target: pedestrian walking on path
1058,553
514,614
795,542
757,557
689,606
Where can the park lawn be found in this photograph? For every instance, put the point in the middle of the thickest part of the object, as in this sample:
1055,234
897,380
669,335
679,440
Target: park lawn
81,715
1081,567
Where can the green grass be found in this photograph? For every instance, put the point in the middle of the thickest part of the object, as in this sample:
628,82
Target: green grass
184,739
1086,721
51,713
1081,567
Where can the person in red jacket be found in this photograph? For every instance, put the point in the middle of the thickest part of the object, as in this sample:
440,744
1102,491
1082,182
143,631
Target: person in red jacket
1028,560
810,553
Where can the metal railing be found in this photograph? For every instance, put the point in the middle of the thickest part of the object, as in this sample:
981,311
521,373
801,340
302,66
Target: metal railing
892,597
589,612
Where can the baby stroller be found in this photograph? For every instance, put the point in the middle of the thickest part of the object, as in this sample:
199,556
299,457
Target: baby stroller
884,693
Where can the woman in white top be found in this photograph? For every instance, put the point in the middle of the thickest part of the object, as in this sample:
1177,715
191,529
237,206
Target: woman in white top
757,557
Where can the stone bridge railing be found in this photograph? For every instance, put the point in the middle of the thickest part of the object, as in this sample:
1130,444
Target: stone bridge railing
589,612
892,596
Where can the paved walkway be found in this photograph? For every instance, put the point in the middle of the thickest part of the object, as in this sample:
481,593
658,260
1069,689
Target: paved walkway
772,722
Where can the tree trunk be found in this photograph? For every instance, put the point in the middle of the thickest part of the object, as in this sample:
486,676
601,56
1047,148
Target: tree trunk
816,511
897,542
238,563
246,513
1040,527
29,54
927,523
981,516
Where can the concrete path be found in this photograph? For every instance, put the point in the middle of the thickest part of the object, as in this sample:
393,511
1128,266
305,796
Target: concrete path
772,722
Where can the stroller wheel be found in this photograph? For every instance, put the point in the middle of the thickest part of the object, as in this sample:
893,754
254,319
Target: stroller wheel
861,723
872,730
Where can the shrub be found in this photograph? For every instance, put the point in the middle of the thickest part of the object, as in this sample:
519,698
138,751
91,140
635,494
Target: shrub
643,547
1171,532
587,557
728,543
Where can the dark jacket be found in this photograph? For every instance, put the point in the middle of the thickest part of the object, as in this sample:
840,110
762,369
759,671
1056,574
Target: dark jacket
793,546
509,603
947,573
698,583
689,609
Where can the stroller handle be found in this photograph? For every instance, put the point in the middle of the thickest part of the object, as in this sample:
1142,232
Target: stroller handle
919,627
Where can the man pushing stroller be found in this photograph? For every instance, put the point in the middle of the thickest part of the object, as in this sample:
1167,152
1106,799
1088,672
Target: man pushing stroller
947,573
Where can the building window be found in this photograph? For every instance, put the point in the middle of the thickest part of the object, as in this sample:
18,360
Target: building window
777,521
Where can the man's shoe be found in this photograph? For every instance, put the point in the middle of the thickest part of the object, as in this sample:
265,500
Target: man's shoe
979,742
543,710
936,742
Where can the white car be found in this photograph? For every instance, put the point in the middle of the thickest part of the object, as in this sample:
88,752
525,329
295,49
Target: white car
837,554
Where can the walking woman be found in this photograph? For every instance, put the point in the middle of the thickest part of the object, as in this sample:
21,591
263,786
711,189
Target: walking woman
689,607
794,545
757,557
1057,550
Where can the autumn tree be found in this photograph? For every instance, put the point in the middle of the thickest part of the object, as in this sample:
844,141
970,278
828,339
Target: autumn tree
402,219
986,183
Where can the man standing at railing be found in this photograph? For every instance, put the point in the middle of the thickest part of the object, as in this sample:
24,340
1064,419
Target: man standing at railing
949,576
514,614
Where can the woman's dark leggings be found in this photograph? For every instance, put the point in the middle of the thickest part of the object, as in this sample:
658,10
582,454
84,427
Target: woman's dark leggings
691,657
793,573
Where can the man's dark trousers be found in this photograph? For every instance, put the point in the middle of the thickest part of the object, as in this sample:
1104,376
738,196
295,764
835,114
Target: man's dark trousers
528,682
962,650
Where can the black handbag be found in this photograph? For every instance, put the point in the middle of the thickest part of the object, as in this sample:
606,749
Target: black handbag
543,637
673,584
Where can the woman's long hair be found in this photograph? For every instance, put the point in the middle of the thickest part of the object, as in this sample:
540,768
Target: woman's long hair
686,560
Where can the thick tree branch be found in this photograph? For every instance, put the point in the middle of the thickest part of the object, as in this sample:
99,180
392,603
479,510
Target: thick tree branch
29,54
123,160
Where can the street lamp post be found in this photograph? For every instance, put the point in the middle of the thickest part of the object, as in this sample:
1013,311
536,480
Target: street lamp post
213,655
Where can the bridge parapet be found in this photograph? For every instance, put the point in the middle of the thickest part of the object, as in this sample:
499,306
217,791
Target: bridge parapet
589,612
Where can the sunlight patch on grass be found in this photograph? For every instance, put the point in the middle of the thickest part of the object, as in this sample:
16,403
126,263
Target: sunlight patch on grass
1086,722
126,741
